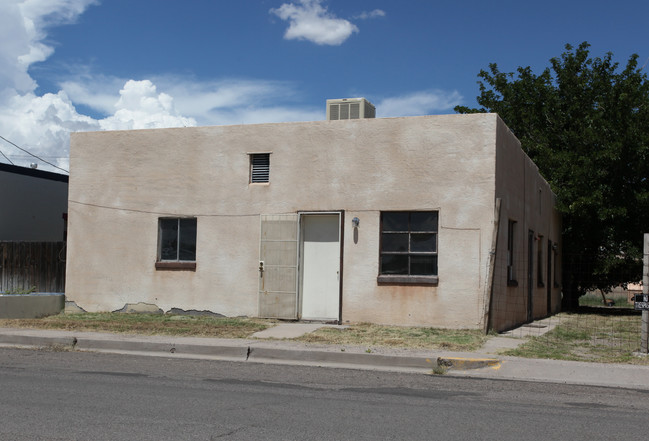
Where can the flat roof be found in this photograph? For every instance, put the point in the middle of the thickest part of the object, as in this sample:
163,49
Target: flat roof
34,173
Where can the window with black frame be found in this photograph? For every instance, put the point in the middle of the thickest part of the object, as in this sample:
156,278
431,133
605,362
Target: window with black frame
408,246
176,243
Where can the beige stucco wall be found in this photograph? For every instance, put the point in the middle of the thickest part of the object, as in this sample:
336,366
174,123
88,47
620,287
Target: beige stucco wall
122,182
528,200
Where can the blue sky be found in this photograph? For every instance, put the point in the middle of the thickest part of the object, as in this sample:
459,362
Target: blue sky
73,65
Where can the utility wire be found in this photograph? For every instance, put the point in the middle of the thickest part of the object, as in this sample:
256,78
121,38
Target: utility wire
31,154
6,157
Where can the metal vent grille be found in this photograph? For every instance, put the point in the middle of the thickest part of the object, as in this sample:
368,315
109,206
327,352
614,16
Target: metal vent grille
354,111
344,111
334,111
370,111
349,108
259,167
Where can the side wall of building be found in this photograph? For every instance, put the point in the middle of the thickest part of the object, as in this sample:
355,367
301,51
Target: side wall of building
32,205
527,214
123,182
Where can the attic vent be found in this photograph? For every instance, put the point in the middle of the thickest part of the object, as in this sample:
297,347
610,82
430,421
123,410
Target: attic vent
259,167
350,108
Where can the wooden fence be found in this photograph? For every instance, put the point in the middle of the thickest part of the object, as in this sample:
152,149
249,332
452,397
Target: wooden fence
32,266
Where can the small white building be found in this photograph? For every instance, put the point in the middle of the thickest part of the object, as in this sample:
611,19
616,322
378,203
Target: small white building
433,220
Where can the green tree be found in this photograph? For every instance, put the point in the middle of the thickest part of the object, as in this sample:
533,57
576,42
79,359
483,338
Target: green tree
585,122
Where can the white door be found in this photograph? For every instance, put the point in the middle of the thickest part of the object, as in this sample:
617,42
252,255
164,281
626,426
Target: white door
320,269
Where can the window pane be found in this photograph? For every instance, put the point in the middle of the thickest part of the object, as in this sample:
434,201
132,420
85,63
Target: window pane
394,242
395,221
423,221
168,239
187,249
423,265
394,264
423,242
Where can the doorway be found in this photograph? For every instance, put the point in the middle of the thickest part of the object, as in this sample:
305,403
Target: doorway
530,275
320,252
548,280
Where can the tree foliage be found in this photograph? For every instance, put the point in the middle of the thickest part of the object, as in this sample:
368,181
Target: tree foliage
585,122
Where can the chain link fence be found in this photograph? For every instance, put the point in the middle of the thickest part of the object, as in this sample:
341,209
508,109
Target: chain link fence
604,327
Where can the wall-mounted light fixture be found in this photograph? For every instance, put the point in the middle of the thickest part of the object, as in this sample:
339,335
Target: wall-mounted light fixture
355,222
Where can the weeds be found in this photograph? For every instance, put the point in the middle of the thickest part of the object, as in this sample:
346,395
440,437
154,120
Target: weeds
591,336
587,337
148,324
366,334
440,370
595,299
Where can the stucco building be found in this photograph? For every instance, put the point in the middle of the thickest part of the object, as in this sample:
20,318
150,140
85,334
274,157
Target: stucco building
433,220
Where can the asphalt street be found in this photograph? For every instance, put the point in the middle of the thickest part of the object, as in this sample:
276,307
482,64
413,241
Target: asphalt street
83,395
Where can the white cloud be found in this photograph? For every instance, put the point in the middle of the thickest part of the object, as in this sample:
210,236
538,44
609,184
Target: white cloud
23,25
200,98
42,124
140,106
418,103
371,14
237,101
213,102
309,20
98,92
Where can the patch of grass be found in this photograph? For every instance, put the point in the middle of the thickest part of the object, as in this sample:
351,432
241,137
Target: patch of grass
591,337
439,370
148,324
363,334
595,299
56,348
366,334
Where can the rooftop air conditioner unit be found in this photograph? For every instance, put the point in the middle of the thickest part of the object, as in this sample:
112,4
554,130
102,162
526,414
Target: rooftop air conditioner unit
350,108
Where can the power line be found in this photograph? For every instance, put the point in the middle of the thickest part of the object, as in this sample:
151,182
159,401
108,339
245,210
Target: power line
6,157
164,213
31,154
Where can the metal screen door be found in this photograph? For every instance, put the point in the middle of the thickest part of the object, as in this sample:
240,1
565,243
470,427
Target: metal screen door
278,254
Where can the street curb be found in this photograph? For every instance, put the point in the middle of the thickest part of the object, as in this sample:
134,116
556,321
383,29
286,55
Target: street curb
39,341
473,365
166,348
250,352
462,364
244,352
339,358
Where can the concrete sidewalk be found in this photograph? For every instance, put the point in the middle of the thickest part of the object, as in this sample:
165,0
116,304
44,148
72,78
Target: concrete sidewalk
482,364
